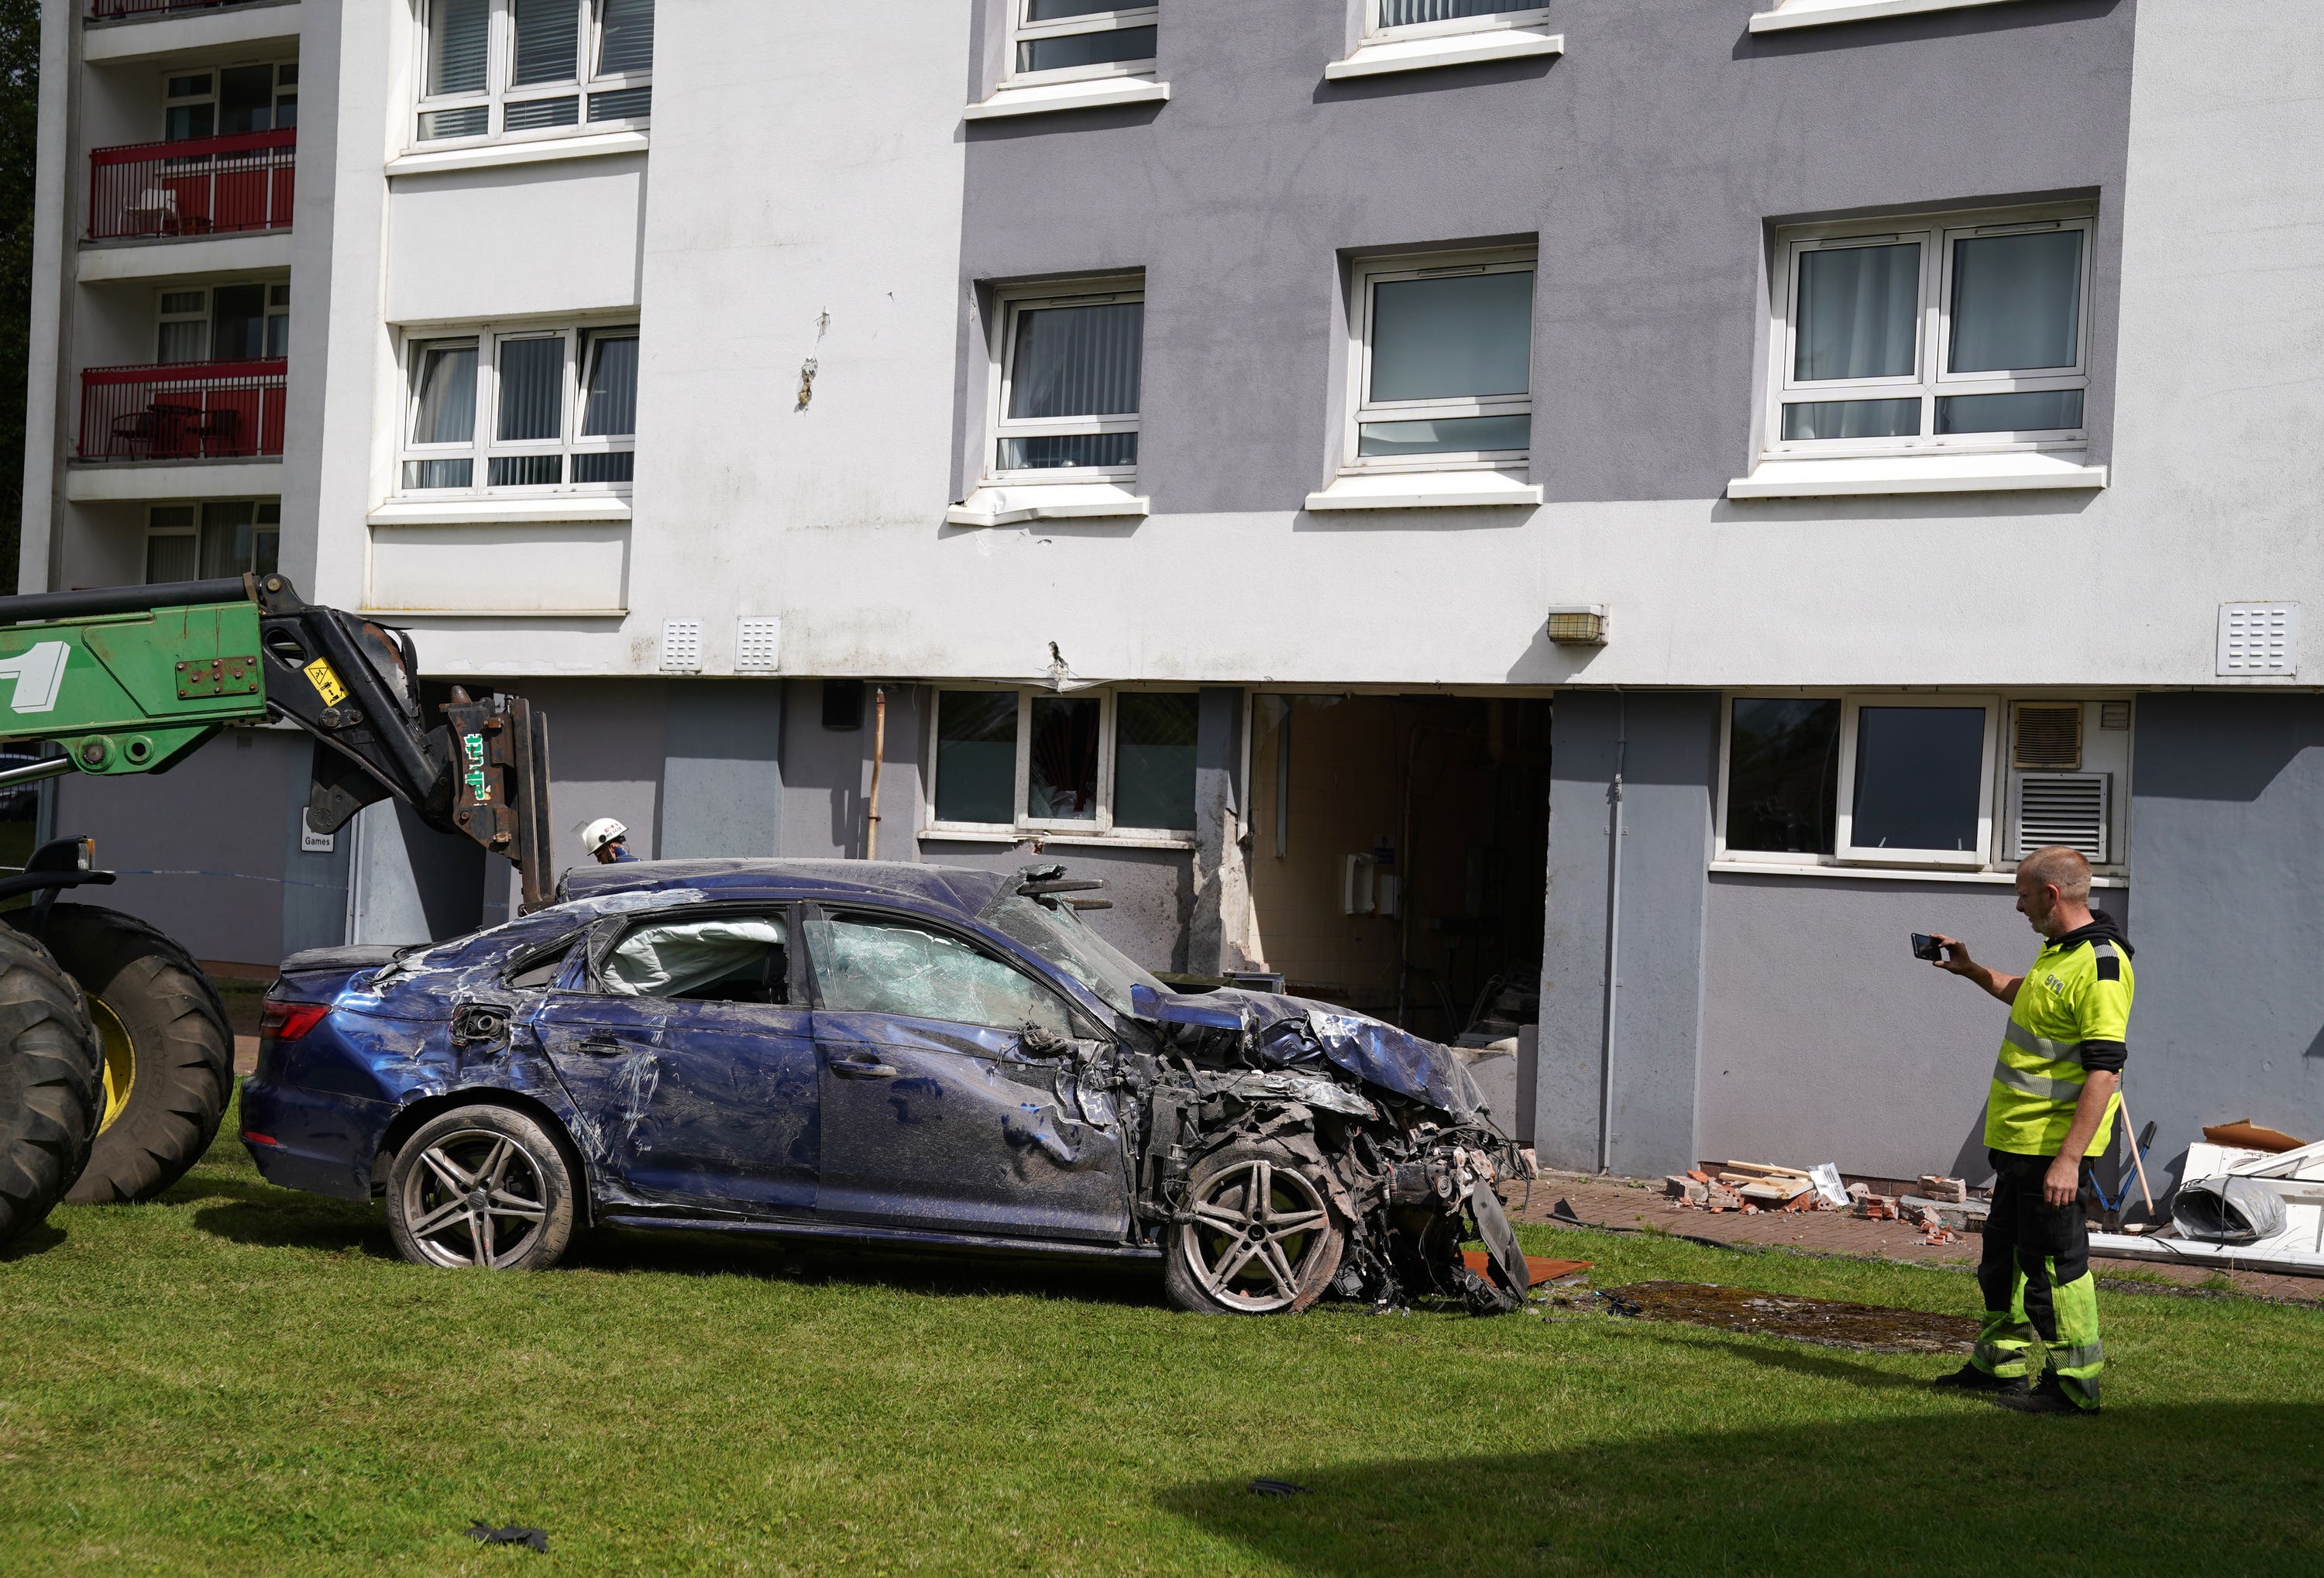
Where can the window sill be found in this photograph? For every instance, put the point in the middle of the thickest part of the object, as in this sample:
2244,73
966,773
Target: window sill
1044,98
488,155
1768,868
1915,474
1508,43
1006,506
494,613
1425,490
468,510
1823,12
1075,840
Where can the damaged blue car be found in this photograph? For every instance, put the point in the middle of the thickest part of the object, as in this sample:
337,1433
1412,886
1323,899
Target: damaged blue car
922,1055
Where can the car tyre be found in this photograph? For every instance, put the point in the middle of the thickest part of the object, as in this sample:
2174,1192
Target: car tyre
482,1186
168,1055
52,1086
1258,1233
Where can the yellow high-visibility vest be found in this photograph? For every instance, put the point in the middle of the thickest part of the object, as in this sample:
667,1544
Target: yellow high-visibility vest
2075,993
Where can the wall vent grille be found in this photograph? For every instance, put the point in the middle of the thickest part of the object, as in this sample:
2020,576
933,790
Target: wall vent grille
2259,637
2048,736
758,646
2062,807
2114,714
681,646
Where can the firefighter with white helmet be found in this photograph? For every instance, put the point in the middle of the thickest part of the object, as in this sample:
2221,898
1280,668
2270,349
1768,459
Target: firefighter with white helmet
605,839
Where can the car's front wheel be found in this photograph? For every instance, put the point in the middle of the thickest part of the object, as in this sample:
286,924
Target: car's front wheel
482,1186
1258,1236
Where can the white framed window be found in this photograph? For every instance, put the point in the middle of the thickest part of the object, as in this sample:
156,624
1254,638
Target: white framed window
1441,369
246,322
205,542
1032,762
520,410
1065,377
1927,779
494,70
263,96
1387,21
1959,332
1080,41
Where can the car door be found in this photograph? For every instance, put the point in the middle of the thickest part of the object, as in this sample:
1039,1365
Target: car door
688,1048
951,1087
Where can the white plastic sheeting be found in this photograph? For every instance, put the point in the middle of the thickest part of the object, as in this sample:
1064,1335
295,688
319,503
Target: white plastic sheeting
883,967
677,957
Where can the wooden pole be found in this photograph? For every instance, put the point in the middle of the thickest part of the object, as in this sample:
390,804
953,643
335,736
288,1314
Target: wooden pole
878,753
2138,1162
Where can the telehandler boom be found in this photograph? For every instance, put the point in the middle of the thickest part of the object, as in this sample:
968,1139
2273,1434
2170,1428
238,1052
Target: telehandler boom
115,1059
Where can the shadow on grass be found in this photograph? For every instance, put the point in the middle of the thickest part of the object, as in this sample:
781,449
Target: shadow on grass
1964,1487
33,1240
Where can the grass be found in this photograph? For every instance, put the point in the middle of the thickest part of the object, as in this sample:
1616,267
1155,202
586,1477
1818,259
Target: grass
239,1380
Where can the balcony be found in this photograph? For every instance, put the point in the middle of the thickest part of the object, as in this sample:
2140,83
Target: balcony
198,186
184,411
107,10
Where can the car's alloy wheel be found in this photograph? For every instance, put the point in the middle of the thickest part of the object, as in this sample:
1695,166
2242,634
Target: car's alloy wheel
1258,1236
484,1187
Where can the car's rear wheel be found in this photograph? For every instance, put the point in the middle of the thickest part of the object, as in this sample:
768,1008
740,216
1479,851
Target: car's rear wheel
482,1187
167,1054
52,1083
1258,1236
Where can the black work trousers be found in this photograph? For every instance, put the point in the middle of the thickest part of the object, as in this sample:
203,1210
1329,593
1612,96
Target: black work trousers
2036,1276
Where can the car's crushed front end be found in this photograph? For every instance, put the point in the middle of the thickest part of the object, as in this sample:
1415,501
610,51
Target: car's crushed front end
1391,1124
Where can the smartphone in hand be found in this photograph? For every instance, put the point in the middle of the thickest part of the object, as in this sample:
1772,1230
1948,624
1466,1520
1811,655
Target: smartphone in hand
1927,948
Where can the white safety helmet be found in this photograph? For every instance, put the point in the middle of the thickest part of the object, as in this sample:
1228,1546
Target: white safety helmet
596,835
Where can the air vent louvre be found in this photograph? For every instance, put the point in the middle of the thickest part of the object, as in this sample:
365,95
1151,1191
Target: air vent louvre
681,646
758,645
2259,637
2062,807
2049,735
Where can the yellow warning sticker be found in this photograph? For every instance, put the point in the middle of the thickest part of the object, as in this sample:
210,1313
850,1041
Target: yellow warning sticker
326,681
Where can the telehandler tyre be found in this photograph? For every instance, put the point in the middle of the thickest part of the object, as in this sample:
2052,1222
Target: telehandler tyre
168,1053
52,1083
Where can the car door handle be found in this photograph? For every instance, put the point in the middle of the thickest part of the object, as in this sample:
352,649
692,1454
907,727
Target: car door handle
861,1065
601,1044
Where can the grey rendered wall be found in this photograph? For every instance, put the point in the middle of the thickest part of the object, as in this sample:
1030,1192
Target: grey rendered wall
721,778
1824,1039
2228,841
1648,162
1668,744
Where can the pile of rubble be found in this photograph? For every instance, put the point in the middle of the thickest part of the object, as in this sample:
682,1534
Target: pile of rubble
1750,1187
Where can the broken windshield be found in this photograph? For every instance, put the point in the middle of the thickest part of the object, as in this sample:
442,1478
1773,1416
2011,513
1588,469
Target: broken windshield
1057,934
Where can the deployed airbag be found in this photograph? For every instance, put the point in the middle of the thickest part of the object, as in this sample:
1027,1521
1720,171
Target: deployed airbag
665,961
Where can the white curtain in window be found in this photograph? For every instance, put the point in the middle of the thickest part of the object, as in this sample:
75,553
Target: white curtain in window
187,340
610,406
1859,312
459,34
1405,13
532,389
2016,301
169,559
1461,337
548,40
448,396
1077,361
626,41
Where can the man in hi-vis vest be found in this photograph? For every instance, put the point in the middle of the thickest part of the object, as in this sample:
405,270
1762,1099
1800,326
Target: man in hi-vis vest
2050,1109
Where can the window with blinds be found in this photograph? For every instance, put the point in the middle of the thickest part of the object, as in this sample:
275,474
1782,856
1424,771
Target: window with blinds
1070,371
1069,40
1423,18
495,68
523,410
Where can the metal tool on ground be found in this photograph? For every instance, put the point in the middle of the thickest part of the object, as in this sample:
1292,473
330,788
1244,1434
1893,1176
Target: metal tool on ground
115,1059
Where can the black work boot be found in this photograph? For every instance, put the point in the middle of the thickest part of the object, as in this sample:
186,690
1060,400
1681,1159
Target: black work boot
1969,1378
2048,1398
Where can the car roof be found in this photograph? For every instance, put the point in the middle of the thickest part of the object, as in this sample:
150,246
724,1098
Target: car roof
959,892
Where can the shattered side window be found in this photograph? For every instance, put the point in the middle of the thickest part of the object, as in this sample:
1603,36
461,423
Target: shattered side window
872,964
717,959
1062,936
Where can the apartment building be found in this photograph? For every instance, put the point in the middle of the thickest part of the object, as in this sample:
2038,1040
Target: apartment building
1600,514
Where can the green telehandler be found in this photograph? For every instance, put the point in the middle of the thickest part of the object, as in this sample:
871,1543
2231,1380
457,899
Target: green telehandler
115,1059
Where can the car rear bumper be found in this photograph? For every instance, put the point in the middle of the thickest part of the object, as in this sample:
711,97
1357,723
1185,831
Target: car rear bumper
319,1141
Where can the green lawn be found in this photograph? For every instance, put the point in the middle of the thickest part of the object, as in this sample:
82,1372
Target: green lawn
238,1379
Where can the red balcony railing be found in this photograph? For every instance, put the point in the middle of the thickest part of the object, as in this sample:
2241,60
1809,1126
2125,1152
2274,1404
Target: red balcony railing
184,411
194,186
103,8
